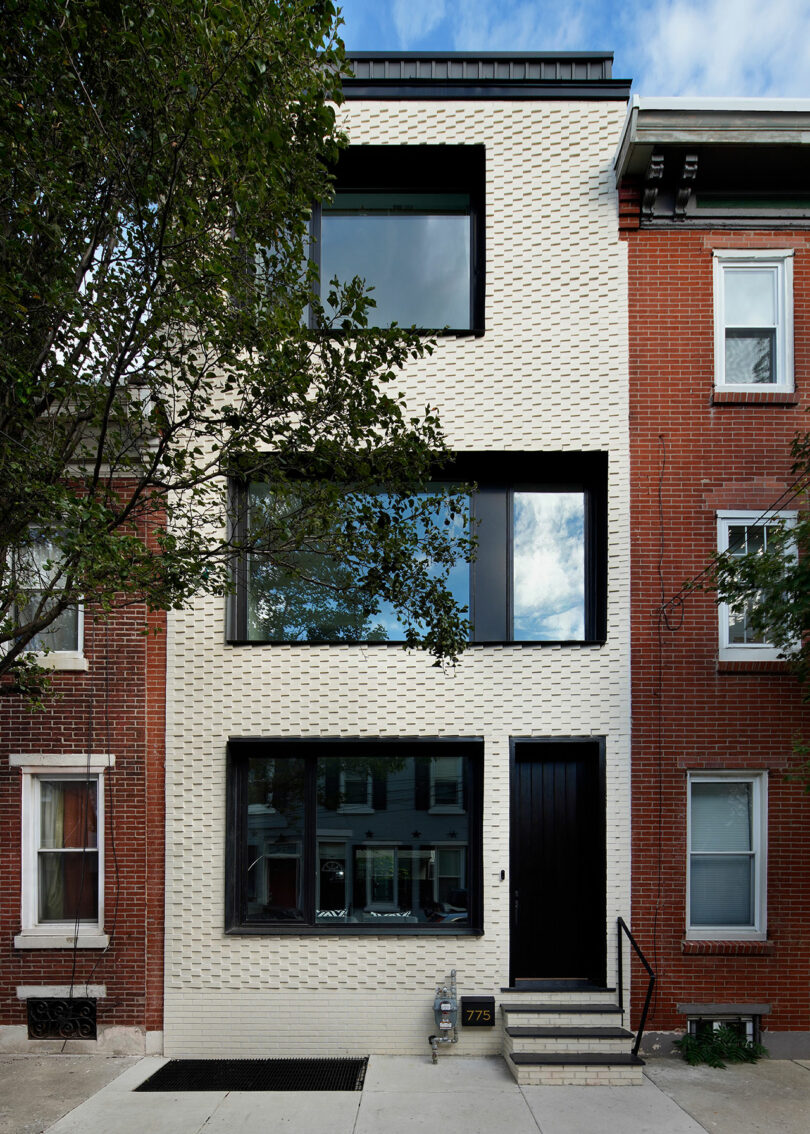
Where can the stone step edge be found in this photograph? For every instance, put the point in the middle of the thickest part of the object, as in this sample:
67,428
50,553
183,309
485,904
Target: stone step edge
524,1032
588,1059
560,1008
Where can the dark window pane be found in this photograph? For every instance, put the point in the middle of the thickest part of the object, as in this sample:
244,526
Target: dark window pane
750,357
549,566
275,832
412,248
722,890
68,885
67,813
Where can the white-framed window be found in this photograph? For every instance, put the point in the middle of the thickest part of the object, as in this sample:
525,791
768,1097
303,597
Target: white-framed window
37,572
62,855
741,533
753,319
446,785
356,791
726,867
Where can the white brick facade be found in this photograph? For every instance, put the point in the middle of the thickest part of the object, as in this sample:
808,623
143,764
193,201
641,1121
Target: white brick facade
549,374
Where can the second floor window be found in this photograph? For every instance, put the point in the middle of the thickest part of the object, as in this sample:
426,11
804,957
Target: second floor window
753,303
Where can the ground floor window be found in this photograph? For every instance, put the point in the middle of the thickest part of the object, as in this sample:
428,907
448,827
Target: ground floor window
347,836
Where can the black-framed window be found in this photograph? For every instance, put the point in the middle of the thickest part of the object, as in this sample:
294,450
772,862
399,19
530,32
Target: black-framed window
539,575
409,220
347,837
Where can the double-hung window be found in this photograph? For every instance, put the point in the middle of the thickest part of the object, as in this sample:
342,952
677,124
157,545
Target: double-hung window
738,534
63,854
726,881
37,575
409,221
753,320
305,853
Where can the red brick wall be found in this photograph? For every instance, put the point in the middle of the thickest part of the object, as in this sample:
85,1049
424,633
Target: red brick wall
117,706
689,458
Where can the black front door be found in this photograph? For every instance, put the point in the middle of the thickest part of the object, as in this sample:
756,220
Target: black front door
558,860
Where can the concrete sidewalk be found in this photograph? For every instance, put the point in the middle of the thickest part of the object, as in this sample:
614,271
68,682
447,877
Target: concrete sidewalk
403,1095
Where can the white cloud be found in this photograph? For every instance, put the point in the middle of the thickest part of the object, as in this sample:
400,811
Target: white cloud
722,47
482,25
415,19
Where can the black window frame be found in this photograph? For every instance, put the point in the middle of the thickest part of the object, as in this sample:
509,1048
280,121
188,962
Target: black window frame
241,749
420,168
497,476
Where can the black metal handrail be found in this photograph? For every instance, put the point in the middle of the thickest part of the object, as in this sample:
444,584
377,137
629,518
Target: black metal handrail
622,925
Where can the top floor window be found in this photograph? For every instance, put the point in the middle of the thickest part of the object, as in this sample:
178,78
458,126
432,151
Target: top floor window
753,305
408,220
38,582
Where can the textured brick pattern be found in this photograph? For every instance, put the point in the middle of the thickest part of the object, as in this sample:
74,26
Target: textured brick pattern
688,711
549,374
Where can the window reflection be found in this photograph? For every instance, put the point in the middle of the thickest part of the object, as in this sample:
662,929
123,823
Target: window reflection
412,248
275,826
549,566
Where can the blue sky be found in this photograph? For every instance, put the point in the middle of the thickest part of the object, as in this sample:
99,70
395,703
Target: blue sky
668,47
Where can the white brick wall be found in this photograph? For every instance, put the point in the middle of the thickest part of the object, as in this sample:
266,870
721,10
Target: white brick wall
550,373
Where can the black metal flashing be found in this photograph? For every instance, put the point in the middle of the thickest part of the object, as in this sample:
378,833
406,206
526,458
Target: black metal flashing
483,75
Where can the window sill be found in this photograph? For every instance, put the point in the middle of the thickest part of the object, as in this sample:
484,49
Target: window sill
755,398
66,662
744,947
88,939
763,666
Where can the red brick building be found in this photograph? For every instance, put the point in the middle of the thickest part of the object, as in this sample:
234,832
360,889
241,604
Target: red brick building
82,837
715,212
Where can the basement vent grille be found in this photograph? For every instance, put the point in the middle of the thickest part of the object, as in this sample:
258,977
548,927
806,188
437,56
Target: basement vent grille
258,1075
61,1018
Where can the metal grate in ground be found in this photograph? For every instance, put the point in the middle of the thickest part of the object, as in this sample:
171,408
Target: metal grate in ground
258,1075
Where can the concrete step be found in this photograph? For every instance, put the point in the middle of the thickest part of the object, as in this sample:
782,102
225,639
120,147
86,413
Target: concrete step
571,1040
576,1069
579,992
535,1013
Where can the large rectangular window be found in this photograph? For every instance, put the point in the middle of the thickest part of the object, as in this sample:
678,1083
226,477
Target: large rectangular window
726,883
409,221
753,318
539,573
348,836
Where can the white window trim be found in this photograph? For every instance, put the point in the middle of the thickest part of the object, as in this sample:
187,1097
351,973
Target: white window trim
750,651
782,260
56,935
759,840
366,808
446,808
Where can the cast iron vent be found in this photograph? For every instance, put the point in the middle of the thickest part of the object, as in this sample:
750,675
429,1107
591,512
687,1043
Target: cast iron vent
61,1018
258,1075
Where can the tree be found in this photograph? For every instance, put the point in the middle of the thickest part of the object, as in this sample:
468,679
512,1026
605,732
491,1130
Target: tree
161,332
770,585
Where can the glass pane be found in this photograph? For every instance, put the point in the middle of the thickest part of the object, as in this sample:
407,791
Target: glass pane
722,890
68,813
549,566
275,831
413,249
321,601
68,885
750,297
392,866
722,816
750,357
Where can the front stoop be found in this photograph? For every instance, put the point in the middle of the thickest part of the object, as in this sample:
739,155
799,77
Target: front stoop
568,1039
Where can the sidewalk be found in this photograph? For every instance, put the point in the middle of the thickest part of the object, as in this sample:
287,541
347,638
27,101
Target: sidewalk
405,1095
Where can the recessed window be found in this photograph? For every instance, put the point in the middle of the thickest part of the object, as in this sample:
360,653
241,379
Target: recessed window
37,574
738,534
313,859
63,852
539,573
409,221
726,873
753,294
